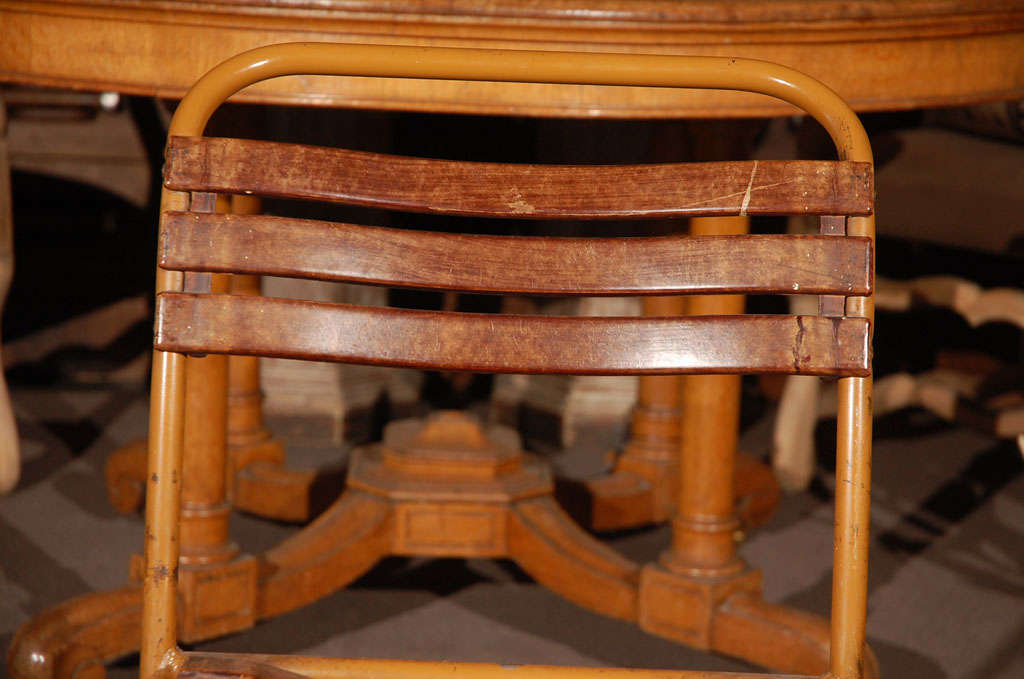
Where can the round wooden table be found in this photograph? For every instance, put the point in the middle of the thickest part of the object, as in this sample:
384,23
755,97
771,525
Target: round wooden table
877,54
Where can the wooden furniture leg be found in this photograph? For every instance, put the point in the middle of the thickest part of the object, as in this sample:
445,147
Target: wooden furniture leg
700,592
257,479
446,487
641,489
10,462
643,485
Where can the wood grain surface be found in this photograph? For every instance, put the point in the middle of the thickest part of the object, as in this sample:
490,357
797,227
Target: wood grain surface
515,264
877,54
245,325
518,191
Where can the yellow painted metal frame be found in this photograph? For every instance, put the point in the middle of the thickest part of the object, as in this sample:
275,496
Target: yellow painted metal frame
160,656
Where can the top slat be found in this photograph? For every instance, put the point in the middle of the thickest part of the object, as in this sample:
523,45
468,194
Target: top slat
518,191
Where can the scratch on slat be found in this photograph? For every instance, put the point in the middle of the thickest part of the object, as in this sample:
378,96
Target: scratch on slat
514,199
747,194
750,186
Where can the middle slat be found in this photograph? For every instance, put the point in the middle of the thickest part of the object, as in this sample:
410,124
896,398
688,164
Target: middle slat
515,264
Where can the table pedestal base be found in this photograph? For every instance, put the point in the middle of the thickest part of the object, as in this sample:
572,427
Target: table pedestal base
446,488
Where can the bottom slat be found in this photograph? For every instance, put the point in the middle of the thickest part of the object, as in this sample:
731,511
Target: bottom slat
806,345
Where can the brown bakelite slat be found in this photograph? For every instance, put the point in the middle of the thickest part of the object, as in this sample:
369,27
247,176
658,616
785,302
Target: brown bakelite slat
525,191
508,264
502,343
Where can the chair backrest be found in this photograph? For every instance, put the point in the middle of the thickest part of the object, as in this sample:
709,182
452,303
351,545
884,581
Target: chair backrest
200,241
196,243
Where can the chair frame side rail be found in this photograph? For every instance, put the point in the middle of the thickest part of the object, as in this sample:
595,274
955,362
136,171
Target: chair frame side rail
160,655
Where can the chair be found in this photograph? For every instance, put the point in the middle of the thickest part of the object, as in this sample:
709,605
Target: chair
395,490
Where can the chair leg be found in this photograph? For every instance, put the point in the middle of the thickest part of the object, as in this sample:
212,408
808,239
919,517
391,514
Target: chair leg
700,592
158,649
187,542
849,658
163,504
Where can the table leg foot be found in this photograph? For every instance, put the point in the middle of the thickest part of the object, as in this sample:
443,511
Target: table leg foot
640,492
261,484
623,499
727,615
746,626
75,638
125,475
757,491
273,491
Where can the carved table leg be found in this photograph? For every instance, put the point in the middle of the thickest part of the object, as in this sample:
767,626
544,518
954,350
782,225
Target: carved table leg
643,486
221,592
258,481
10,462
700,592
641,489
